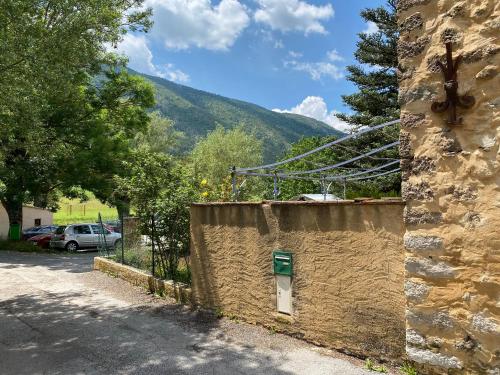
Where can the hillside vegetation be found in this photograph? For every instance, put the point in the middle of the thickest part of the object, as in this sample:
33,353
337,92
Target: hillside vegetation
197,112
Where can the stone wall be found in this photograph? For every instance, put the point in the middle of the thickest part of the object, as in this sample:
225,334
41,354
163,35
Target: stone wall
452,187
348,289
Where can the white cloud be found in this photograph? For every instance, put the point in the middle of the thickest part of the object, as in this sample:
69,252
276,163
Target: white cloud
315,107
176,75
371,28
182,24
293,15
136,48
316,70
295,54
333,55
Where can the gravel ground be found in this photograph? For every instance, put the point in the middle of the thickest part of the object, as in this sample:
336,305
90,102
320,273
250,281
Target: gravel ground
58,316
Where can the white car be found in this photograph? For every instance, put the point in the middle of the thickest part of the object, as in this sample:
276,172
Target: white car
83,236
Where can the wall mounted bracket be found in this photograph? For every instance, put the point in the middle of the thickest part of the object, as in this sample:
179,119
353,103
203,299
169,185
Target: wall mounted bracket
453,100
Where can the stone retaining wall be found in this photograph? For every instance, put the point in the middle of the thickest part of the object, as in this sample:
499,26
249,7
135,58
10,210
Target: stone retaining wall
179,291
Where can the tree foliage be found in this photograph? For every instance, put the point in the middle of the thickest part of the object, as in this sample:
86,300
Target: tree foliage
58,124
377,99
160,136
214,156
161,191
375,102
376,188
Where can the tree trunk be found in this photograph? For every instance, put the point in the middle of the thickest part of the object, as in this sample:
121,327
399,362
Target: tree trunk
123,208
14,208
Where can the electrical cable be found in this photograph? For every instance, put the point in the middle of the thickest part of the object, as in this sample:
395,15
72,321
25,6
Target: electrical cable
337,141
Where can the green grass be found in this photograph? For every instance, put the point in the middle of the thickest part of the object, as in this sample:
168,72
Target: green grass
370,365
73,211
408,369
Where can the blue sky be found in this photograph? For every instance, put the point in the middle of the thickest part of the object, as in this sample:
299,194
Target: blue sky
285,55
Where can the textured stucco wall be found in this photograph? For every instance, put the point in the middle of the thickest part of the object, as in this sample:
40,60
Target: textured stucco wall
452,187
29,216
348,289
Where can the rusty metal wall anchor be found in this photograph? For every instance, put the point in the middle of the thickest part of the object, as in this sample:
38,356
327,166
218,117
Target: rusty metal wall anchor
453,100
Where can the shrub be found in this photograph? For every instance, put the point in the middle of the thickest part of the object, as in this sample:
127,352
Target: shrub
22,246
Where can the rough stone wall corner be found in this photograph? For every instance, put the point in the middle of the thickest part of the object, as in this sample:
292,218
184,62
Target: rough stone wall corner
451,187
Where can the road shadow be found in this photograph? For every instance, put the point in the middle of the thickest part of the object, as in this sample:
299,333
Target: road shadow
74,263
62,333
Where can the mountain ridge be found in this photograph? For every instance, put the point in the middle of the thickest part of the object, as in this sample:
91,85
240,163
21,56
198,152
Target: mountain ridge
197,112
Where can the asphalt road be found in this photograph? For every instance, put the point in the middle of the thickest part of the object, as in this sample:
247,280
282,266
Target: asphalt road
57,316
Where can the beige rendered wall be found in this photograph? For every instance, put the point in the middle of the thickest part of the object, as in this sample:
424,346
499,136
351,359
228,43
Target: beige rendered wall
32,213
348,269
452,187
29,216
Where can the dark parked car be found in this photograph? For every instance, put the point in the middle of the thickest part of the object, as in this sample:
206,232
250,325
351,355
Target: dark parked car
34,231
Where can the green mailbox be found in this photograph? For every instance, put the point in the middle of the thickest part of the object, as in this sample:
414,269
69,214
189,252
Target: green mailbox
282,263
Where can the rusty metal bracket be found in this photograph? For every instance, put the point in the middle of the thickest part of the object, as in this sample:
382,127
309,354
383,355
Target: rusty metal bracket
453,100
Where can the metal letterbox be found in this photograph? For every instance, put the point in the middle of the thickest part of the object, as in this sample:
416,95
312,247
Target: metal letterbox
283,263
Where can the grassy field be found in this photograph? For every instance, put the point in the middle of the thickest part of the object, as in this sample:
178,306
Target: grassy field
74,211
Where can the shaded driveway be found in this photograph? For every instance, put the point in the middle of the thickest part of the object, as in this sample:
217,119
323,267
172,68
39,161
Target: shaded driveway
57,316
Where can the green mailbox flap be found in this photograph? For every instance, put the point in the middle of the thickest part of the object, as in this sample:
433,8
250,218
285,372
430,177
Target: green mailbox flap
282,263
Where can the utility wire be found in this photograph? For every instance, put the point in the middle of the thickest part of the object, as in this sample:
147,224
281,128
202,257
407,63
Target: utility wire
377,175
350,149
330,167
334,178
340,140
284,176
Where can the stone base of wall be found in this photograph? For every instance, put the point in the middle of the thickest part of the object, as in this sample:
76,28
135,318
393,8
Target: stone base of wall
181,292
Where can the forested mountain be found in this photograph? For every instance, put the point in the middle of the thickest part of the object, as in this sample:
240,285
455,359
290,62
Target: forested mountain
197,112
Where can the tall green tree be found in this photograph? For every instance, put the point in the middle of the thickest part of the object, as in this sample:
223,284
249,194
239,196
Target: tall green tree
376,75
160,136
51,112
376,101
160,188
214,156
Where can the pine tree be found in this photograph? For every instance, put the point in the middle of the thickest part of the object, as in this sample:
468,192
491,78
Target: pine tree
377,99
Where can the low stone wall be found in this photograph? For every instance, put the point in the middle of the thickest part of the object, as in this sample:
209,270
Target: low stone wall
347,286
179,291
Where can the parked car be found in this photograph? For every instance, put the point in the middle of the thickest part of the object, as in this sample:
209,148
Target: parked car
113,225
83,236
42,240
34,231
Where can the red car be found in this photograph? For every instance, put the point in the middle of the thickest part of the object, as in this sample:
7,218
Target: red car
42,240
